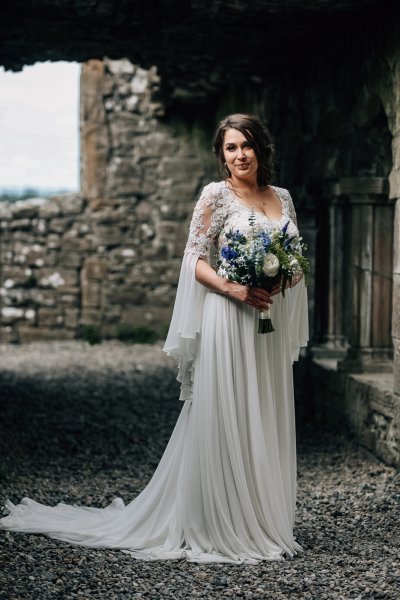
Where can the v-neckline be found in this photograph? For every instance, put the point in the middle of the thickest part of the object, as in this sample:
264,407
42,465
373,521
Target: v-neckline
257,212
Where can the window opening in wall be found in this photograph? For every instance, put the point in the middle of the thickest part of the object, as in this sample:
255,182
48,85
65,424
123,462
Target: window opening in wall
39,130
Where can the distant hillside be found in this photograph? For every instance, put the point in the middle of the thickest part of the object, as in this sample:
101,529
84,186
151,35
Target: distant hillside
12,194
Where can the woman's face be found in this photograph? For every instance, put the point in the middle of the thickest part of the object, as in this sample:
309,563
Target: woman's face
239,155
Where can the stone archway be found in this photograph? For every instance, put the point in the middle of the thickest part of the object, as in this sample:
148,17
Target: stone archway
111,254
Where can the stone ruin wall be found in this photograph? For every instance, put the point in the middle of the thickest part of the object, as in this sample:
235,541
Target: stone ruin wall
110,254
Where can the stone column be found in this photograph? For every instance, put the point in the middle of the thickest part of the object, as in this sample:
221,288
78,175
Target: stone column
370,259
388,88
333,337
94,137
396,299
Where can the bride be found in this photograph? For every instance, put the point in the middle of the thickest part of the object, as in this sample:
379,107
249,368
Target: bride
225,487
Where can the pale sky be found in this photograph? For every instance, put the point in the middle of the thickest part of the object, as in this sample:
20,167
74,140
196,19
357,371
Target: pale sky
39,126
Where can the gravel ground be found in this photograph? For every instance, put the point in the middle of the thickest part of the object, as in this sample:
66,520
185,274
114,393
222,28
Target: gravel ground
83,424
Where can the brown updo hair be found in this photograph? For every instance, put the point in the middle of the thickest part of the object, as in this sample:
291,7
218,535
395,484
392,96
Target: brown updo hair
257,134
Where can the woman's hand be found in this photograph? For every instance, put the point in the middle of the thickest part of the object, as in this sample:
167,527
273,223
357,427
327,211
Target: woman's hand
257,297
253,296
278,287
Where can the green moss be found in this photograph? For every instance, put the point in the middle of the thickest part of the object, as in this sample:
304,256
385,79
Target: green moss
32,281
163,330
124,332
90,334
136,334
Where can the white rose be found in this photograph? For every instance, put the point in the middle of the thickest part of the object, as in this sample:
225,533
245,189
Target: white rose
271,265
294,263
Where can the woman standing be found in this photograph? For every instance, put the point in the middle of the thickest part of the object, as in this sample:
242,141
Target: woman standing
225,488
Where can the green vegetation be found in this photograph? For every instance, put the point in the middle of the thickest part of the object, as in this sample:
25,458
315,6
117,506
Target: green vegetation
91,334
11,195
136,334
163,330
31,281
124,332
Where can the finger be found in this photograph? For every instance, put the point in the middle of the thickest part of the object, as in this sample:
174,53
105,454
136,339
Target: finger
276,290
253,304
261,294
258,290
257,305
267,300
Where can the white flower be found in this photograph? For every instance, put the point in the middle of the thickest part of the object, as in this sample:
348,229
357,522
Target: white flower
271,265
294,263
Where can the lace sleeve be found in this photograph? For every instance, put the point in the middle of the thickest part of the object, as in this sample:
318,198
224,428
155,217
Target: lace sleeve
292,210
297,299
207,221
182,339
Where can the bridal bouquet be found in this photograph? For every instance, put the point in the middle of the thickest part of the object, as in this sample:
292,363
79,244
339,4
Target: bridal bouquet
263,260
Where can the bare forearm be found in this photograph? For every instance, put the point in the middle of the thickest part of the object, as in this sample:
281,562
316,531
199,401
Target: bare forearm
256,297
208,277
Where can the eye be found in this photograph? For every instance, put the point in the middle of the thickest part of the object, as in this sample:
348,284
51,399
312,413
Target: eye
230,148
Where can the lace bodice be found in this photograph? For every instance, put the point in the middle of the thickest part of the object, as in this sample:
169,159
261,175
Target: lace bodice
218,210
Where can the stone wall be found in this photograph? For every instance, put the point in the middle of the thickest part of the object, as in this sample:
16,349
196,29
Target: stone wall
140,179
363,403
389,90
40,267
368,401
117,245
110,254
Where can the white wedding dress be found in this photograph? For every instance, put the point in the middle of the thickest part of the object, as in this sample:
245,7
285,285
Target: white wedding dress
225,488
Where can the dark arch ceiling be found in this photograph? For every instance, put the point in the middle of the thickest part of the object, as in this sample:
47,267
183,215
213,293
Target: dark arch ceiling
196,44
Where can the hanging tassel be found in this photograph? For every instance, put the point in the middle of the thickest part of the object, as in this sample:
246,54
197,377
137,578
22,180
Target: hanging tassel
264,321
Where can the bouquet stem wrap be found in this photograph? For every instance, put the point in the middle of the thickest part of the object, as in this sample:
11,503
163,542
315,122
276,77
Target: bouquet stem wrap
264,321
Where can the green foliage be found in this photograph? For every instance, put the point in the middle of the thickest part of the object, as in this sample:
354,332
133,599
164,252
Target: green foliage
11,195
31,281
164,331
252,220
136,334
124,332
90,334
305,267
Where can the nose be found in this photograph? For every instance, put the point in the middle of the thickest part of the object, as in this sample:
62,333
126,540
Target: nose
241,153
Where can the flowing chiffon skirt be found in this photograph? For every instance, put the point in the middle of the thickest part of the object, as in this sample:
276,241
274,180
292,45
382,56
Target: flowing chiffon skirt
225,488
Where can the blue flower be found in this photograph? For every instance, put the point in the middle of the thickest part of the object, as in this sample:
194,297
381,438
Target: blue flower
289,242
228,253
237,236
265,239
284,228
